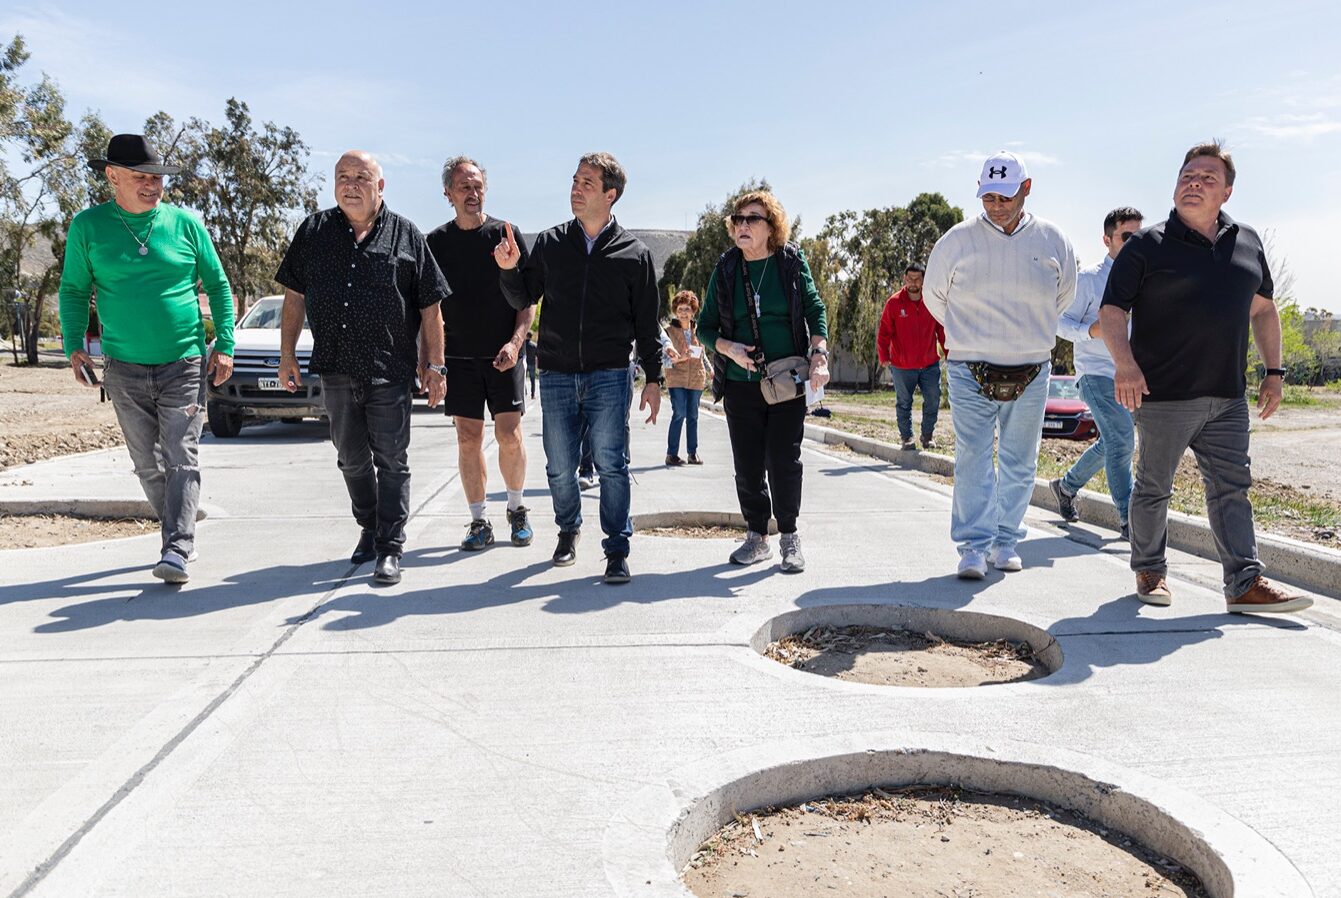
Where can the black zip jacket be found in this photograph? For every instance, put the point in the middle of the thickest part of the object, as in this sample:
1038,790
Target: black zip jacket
596,305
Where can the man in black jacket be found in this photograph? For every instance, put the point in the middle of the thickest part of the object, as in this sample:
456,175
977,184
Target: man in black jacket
600,293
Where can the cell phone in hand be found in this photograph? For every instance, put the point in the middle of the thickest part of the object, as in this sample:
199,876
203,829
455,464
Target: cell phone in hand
90,376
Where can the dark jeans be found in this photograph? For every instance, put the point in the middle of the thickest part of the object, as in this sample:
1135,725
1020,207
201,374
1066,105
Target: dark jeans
765,439
1216,430
684,411
597,403
370,427
928,380
161,410
530,372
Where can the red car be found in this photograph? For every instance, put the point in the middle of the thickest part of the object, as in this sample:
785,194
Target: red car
1066,415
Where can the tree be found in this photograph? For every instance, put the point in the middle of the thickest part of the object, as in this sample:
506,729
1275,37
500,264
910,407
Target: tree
54,183
1297,357
691,267
865,257
247,184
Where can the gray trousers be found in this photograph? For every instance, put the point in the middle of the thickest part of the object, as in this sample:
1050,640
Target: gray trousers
1216,430
161,410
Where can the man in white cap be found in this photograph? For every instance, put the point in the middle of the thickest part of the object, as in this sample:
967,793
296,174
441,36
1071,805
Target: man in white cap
998,283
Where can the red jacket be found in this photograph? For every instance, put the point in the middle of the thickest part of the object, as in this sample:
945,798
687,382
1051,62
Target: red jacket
908,334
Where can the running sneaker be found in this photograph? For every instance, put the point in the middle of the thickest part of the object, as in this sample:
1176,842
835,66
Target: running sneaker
481,534
521,527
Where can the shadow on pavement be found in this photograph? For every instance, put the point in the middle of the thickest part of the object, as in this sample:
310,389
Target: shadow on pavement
580,595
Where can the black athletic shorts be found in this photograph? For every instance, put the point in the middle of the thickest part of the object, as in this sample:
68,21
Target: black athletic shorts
474,383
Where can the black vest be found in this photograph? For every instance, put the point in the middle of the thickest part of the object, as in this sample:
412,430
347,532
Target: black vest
788,259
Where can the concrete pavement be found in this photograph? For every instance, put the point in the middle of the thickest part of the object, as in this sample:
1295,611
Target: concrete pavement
279,726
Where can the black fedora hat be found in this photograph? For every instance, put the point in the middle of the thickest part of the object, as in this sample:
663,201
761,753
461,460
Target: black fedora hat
132,151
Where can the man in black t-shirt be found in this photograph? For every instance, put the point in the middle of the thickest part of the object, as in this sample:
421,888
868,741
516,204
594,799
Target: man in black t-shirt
485,337
1195,286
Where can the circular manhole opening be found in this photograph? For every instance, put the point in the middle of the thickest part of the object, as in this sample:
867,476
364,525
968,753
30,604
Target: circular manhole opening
924,841
901,645
694,525
40,531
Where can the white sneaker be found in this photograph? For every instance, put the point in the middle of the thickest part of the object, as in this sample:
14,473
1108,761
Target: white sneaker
753,550
1004,559
972,565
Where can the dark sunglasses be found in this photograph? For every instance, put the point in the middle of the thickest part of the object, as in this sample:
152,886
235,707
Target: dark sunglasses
750,220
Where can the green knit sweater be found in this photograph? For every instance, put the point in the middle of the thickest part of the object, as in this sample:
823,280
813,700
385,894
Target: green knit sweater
147,304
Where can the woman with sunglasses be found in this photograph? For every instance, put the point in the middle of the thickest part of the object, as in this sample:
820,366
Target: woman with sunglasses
762,306
685,378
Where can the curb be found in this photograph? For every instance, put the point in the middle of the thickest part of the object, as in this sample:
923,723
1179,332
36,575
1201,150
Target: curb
94,508
1315,568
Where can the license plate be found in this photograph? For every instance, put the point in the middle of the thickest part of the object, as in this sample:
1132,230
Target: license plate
268,383
1053,425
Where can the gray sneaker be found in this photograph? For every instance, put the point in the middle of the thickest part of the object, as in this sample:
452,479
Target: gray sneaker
1066,503
754,550
793,562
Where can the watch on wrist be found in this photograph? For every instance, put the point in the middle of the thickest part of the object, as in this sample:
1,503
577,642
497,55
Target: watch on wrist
815,350
1279,372
440,369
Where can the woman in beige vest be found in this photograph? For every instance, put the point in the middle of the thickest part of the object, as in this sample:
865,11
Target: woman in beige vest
686,379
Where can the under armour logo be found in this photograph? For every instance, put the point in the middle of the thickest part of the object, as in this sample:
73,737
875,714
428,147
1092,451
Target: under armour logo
996,172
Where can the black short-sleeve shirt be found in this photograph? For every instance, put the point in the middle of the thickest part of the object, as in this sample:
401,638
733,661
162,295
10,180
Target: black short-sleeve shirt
363,299
1190,300
477,318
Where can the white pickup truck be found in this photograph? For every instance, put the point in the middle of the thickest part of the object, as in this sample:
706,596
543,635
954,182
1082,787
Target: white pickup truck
254,390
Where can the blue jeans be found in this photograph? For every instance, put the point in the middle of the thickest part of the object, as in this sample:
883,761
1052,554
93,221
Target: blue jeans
928,380
585,466
1113,449
597,402
370,427
990,500
684,411
161,410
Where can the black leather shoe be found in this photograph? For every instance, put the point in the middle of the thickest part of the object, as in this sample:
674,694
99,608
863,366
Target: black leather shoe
565,553
388,569
616,569
366,550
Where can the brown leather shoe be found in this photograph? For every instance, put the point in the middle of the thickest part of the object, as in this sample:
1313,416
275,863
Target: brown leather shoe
1152,588
1265,597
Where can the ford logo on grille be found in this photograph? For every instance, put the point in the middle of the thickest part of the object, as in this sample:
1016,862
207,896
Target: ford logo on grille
271,363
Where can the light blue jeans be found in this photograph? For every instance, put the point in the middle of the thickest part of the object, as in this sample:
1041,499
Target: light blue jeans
597,403
990,499
1113,449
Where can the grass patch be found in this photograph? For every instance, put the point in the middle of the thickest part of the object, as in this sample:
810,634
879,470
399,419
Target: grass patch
1277,508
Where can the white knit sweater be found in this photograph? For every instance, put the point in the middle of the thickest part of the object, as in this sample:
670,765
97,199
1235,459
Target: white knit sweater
999,296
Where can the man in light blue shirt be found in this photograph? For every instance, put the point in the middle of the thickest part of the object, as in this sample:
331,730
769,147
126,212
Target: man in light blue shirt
1080,325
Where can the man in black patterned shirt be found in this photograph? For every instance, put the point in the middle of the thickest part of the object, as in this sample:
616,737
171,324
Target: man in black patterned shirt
365,278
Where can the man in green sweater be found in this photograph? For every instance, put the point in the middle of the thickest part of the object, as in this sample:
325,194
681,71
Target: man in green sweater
144,258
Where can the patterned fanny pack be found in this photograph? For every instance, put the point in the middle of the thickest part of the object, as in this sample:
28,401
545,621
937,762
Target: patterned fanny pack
1004,383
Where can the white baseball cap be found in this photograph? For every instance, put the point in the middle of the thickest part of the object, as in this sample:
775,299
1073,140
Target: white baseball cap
1002,173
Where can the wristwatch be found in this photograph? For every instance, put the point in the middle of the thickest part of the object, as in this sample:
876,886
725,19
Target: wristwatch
1279,372
815,350
440,369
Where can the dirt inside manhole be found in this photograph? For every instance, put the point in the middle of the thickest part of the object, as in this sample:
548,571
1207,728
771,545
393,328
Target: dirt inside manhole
38,531
695,531
929,842
888,656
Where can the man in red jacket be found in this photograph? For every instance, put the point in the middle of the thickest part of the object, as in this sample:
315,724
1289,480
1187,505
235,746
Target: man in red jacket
907,343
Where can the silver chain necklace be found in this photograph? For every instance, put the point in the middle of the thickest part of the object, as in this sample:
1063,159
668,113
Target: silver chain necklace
144,244
759,286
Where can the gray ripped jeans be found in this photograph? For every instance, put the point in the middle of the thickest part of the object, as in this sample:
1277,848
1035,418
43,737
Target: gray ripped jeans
161,410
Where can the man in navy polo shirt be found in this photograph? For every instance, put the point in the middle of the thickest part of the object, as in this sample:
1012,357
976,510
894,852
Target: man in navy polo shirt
1194,285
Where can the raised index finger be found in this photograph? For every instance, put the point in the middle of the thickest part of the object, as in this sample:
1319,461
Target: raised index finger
507,229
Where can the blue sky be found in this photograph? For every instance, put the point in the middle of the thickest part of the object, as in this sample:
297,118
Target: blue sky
840,105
